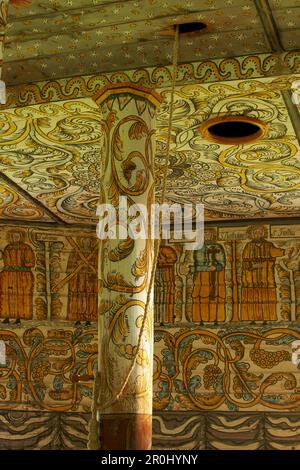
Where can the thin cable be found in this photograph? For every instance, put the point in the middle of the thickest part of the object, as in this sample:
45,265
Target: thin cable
165,174
167,157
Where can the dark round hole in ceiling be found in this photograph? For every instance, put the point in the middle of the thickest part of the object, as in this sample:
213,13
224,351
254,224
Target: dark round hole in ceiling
194,27
234,129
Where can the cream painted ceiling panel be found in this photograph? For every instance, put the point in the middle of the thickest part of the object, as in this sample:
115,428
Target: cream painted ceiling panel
59,38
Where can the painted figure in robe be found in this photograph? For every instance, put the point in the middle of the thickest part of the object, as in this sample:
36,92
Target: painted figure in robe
164,293
209,290
258,292
16,278
83,284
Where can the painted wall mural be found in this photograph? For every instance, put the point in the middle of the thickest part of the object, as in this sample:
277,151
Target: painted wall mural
209,281
167,292
242,273
41,368
47,276
231,368
16,278
228,368
222,341
51,154
241,289
82,269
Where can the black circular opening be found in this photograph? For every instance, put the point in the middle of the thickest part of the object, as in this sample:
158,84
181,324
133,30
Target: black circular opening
233,129
194,27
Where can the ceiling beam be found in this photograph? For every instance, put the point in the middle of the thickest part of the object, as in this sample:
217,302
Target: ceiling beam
206,71
247,222
208,223
48,225
270,28
30,198
293,112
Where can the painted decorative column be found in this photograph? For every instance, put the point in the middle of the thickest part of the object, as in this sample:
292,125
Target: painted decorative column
125,265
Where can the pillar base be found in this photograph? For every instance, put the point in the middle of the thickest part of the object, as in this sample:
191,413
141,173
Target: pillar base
126,432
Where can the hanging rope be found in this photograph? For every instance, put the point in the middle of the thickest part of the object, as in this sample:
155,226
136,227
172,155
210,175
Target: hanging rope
94,437
167,154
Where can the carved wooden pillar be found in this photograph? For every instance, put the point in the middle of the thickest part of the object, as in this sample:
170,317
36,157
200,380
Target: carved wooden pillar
125,265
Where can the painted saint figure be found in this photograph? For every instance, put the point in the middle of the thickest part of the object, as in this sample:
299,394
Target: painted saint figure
258,293
164,293
16,278
83,284
209,290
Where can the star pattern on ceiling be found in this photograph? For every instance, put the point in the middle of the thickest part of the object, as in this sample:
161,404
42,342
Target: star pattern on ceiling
65,37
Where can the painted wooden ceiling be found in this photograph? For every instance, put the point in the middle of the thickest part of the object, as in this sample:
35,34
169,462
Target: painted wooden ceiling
254,180
60,38
50,153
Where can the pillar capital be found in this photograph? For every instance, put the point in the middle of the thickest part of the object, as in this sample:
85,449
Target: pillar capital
109,92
